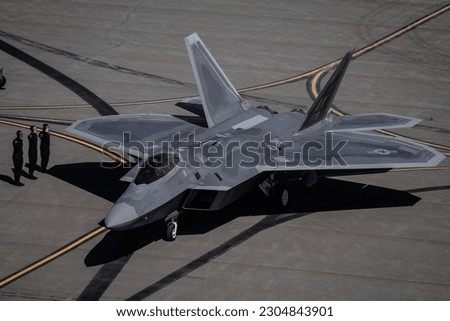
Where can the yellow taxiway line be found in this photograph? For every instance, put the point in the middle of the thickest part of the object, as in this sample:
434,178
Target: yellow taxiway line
18,274
104,151
317,72
301,76
63,250
315,92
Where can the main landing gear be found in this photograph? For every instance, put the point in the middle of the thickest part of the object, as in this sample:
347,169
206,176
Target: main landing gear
286,195
285,190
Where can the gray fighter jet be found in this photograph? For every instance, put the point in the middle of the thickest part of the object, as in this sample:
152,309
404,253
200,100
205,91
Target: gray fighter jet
184,166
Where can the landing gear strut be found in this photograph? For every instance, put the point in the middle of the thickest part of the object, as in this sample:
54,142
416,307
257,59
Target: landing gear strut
171,232
283,192
172,226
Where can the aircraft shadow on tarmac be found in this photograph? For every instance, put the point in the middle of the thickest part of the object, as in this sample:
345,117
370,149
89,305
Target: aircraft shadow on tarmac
327,195
93,178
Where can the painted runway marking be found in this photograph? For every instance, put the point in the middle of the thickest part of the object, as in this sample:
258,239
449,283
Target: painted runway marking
315,73
78,241
298,77
111,155
63,250
101,106
314,88
33,297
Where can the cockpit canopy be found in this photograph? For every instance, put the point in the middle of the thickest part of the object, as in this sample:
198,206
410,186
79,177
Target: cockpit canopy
156,167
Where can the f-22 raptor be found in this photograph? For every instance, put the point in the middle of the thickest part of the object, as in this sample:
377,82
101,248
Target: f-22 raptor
184,166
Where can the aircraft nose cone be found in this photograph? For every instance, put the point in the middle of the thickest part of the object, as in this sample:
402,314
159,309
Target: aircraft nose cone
120,216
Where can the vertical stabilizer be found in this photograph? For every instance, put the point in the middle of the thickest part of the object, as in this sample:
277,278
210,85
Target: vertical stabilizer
322,104
220,99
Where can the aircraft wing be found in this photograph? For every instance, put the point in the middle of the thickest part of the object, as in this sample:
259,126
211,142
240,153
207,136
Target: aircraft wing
130,133
219,98
353,150
334,154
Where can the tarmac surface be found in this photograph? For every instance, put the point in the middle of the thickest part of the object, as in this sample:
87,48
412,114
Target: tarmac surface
368,237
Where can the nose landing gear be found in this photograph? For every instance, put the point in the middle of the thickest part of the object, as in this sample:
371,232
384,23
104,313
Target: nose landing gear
171,232
172,226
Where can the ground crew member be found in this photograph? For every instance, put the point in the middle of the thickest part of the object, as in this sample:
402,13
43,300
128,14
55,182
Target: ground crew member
44,135
32,151
2,79
18,157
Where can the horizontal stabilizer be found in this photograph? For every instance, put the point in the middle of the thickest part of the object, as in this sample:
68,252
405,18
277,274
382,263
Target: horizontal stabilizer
322,104
193,105
363,122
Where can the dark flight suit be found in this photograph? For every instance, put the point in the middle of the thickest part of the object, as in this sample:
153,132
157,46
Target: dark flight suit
45,150
32,152
17,159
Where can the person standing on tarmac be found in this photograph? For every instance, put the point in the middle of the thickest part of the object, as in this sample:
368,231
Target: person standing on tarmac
18,157
32,151
44,135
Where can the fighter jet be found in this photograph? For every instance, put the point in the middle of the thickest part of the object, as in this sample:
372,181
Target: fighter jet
183,166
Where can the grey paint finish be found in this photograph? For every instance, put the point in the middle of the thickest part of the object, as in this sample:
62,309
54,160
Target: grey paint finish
219,97
322,143
367,252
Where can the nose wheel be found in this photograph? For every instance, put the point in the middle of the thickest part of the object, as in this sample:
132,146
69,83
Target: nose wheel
172,226
171,231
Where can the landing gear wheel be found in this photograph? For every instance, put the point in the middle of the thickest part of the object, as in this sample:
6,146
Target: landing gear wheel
284,197
171,232
287,196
